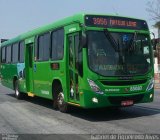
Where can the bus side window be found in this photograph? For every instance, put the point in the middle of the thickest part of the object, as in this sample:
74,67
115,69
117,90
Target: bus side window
15,52
21,52
36,49
8,54
57,44
43,47
3,55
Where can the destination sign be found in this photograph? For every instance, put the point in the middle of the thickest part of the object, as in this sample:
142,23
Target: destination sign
115,22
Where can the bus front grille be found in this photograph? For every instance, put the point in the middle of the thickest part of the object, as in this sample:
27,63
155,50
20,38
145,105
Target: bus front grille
123,82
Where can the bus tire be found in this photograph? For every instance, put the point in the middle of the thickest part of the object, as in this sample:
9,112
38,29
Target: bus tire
62,105
55,105
18,94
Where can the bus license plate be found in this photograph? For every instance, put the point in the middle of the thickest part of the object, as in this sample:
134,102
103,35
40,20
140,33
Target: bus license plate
127,103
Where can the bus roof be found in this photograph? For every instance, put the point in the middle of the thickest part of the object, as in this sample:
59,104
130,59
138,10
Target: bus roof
75,18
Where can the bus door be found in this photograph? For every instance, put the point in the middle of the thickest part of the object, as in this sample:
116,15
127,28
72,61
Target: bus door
73,42
29,67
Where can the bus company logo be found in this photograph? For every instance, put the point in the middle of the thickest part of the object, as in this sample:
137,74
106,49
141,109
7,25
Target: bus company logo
136,88
126,89
112,90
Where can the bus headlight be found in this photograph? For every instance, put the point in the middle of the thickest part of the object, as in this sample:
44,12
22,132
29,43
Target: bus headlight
94,87
150,85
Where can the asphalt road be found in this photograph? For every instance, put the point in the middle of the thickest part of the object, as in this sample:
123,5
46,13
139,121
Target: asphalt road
36,116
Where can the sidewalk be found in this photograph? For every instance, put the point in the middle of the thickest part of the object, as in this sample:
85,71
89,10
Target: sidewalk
157,81
157,85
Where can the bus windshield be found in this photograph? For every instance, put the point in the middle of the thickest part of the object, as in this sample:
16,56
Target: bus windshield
118,53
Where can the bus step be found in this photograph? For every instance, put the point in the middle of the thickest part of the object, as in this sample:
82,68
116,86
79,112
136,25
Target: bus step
30,94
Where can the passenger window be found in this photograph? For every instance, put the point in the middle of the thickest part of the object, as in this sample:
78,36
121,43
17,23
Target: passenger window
3,55
21,52
57,44
8,54
15,50
43,47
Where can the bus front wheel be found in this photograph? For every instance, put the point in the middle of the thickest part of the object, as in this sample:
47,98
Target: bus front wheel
62,105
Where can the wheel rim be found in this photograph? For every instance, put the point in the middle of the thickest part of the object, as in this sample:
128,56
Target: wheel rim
16,90
60,99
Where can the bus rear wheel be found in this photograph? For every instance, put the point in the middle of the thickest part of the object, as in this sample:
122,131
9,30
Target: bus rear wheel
62,105
18,94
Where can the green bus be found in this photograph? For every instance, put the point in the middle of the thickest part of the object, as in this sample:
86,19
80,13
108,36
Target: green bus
86,60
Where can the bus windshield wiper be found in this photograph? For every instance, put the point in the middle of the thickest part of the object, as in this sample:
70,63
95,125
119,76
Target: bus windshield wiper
111,39
132,40
115,45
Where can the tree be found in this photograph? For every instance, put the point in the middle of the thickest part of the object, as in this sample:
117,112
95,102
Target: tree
153,7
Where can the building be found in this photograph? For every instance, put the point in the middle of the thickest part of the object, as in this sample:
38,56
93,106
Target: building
157,25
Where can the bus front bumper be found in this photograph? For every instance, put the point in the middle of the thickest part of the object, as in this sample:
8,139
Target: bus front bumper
90,99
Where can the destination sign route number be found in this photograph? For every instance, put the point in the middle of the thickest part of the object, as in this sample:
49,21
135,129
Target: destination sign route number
115,22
